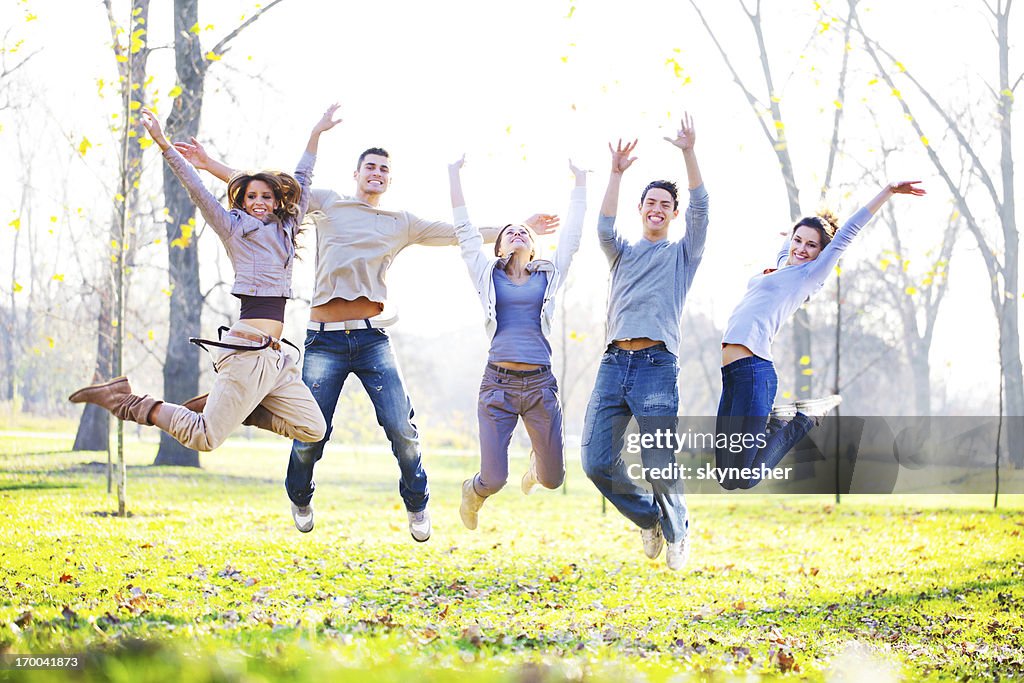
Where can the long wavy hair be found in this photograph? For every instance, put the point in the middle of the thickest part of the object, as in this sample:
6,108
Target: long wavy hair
285,187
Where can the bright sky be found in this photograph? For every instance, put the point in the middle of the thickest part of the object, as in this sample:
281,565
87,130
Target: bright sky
520,87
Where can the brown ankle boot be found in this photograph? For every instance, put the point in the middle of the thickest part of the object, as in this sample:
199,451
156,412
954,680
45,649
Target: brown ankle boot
106,395
116,396
260,417
196,404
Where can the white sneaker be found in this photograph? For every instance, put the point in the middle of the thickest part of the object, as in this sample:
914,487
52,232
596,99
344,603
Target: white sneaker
303,517
653,540
783,411
817,408
419,525
530,483
471,503
677,554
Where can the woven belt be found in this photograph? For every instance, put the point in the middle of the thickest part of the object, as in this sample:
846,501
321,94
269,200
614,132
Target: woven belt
518,373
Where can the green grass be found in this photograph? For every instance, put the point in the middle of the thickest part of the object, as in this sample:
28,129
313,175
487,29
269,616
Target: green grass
207,579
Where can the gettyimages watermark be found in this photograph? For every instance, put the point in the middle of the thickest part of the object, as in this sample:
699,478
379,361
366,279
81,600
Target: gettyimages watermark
848,454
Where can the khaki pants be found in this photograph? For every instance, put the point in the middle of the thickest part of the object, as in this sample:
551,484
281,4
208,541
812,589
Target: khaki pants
246,379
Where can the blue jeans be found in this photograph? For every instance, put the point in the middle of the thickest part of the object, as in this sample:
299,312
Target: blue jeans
330,357
748,393
641,384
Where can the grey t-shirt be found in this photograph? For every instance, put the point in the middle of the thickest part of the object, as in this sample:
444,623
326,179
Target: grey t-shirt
650,280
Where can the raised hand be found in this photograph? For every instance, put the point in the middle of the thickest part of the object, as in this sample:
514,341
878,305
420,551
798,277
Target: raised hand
579,173
620,156
542,223
686,135
456,166
195,153
907,187
327,121
152,126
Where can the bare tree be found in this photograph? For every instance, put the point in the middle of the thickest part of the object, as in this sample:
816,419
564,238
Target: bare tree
1001,257
181,365
94,427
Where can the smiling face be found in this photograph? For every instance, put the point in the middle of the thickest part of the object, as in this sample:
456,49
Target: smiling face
373,175
804,246
515,238
258,199
656,212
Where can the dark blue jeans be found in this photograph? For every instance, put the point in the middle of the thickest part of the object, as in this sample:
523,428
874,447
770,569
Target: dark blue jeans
748,393
330,357
641,384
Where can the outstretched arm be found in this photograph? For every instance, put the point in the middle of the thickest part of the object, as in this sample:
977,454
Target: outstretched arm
620,162
326,122
684,140
197,156
216,215
899,187
820,268
455,182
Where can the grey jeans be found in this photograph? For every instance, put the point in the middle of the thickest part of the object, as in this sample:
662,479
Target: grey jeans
504,398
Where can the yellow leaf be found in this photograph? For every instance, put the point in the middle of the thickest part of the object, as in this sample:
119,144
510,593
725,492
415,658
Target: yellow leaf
166,292
838,104
884,264
906,265
211,56
16,224
30,17
134,106
118,197
825,25
195,28
58,277
151,335
807,372
17,287
925,282
121,58
84,146
776,99
924,139
508,130
144,143
565,60
873,81
51,342
779,125
787,394
899,65
896,93
806,387
839,271
805,360
911,290
572,8
780,146
175,91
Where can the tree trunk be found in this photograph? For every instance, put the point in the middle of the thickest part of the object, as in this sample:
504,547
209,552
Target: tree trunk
94,427
181,365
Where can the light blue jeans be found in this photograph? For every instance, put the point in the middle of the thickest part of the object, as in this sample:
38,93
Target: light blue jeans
639,384
330,357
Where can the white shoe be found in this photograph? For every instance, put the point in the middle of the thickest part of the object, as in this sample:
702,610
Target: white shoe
817,408
471,503
303,517
677,554
653,540
783,411
530,483
419,525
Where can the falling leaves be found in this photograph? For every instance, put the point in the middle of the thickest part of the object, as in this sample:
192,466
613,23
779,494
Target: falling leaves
84,146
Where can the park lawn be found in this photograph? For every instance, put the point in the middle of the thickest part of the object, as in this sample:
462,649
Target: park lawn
207,579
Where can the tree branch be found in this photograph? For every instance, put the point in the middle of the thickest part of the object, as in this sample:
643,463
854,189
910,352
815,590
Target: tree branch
222,46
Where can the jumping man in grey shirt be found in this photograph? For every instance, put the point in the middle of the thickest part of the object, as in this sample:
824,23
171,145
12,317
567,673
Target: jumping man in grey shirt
637,378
